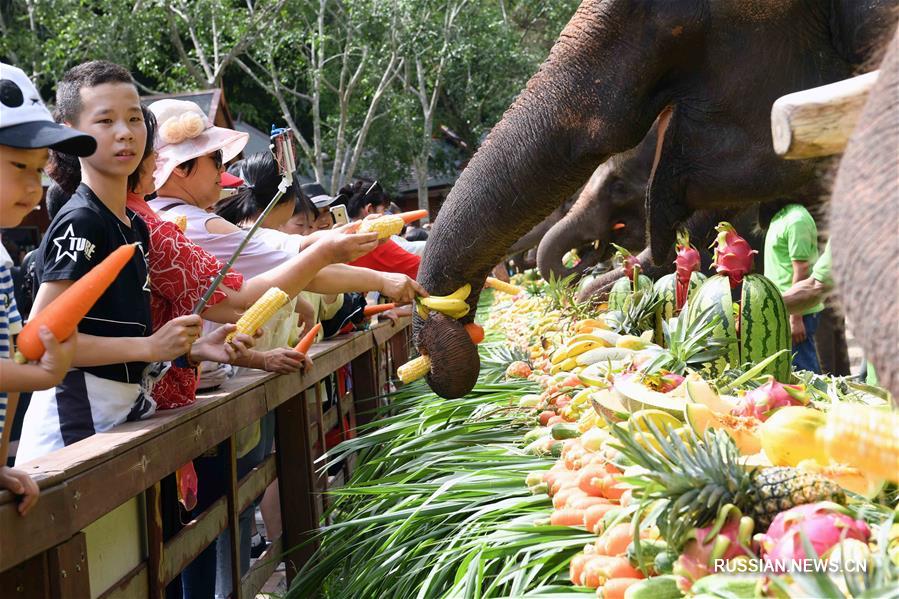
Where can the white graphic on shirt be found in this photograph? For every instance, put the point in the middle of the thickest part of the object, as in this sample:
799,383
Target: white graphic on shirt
140,246
69,245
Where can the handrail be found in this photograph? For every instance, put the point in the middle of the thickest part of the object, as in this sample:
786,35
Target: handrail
84,481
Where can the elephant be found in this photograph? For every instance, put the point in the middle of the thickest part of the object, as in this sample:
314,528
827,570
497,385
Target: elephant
608,210
864,225
708,71
520,252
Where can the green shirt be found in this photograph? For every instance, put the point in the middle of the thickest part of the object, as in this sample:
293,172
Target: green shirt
791,236
821,271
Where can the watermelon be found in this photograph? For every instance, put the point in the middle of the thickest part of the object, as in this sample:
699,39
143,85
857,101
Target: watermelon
764,327
667,308
623,289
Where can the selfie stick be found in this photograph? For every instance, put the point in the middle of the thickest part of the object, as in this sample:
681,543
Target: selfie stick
283,151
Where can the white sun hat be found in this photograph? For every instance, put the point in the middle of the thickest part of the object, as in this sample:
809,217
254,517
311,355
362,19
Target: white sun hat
183,132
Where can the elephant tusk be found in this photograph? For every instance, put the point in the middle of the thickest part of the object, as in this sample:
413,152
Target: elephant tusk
596,244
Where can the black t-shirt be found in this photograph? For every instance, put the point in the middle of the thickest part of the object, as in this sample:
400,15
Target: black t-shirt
82,234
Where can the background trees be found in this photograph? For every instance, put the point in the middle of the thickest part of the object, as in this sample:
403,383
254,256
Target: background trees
367,83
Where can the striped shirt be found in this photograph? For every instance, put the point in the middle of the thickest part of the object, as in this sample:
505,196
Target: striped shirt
10,322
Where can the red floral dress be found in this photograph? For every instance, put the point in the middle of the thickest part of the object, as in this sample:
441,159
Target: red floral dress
180,273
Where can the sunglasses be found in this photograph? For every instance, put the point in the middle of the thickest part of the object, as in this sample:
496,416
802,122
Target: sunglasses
216,158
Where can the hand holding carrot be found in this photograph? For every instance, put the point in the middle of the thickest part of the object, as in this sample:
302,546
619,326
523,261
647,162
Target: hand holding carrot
283,360
57,356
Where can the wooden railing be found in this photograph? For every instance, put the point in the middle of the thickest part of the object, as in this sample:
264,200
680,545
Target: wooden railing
97,529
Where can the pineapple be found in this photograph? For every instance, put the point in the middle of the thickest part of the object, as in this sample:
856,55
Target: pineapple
689,344
695,479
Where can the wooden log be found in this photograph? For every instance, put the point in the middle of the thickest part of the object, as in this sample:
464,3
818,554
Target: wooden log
818,122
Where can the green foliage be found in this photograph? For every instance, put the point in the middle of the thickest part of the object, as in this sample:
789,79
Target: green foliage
256,47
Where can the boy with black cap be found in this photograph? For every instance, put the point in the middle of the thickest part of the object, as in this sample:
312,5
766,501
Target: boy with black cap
26,131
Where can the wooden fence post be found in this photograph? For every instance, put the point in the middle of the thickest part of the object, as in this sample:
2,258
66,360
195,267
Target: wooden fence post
365,386
296,485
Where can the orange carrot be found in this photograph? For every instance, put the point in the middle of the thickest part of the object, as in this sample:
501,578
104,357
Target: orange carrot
584,501
620,567
475,331
616,587
612,488
594,514
64,313
567,517
616,539
560,499
376,309
308,339
563,482
412,215
595,571
591,479
576,568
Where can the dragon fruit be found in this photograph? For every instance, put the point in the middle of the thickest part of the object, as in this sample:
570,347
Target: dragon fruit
762,401
729,537
733,256
686,263
824,524
628,261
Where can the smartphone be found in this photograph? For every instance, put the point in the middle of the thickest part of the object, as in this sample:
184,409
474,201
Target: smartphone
339,215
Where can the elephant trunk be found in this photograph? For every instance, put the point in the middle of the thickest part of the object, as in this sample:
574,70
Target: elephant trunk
572,115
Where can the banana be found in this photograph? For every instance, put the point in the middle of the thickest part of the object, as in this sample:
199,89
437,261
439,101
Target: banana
576,349
453,305
590,337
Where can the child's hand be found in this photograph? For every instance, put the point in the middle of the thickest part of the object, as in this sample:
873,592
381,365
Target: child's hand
284,360
57,356
174,338
214,348
400,287
346,247
20,483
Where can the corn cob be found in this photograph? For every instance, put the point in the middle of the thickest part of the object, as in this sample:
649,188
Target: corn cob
384,226
414,369
260,312
179,220
502,286
864,437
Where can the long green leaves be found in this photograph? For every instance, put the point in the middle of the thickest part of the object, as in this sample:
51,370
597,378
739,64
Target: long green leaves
437,505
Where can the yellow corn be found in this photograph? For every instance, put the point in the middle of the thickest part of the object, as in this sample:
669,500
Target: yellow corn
864,437
502,286
384,226
260,312
179,220
414,369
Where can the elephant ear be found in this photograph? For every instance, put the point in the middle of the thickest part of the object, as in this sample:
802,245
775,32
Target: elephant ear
665,208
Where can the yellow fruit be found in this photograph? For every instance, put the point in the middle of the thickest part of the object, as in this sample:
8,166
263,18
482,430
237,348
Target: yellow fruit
742,429
631,342
789,436
639,421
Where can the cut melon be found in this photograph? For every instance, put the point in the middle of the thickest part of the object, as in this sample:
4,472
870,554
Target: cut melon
742,429
699,391
851,479
637,397
594,376
608,403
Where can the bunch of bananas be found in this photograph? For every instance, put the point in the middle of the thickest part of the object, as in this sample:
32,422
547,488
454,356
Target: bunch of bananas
453,305
565,357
